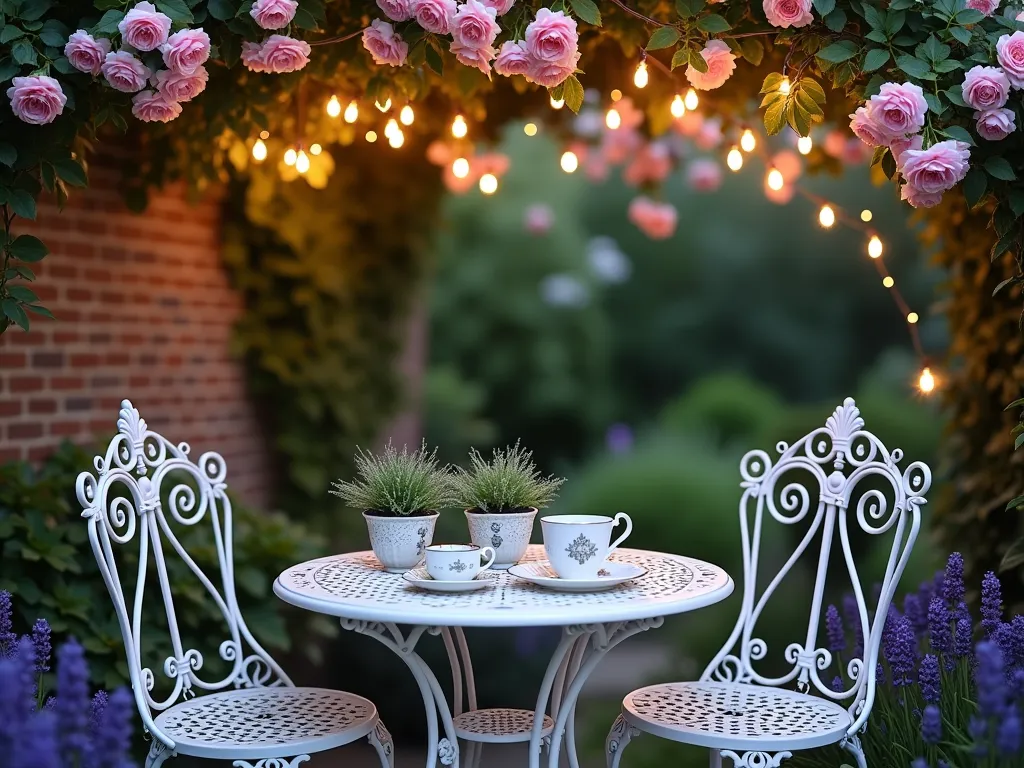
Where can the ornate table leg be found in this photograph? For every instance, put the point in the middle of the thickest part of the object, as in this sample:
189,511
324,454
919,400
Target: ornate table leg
446,749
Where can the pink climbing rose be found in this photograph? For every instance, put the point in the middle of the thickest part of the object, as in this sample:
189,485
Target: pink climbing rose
501,7
899,108
940,167
918,198
396,10
37,99
788,13
985,87
1010,53
252,57
154,107
549,74
124,72
273,14
866,127
186,50
474,26
721,64
144,28
434,15
384,44
988,7
86,53
654,219
552,38
995,124
282,54
512,59
174,86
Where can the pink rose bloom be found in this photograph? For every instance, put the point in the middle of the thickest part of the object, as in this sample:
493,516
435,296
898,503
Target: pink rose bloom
710,134
898,146
124,72
721,64
285,54
988,7
855,153
37,99
552,38
144,28
434,15
620,144
995,124
549,74
384,45
187,50
704,175
273,14
538,219
1010,53
788,13
689,124
512,59
985,87
470,56
396,10
834,143
474,25
899,108
501,7
866,127
595,167
439,153
652,163
85,52
919,199
940,167
177,87
154,107
654,219
252,57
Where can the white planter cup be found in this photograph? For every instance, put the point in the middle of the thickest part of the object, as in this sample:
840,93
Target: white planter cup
507,534
400,542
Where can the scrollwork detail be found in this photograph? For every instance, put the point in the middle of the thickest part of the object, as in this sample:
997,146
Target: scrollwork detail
756,759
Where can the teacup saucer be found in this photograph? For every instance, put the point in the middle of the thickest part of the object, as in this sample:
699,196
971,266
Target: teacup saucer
419,577
542,574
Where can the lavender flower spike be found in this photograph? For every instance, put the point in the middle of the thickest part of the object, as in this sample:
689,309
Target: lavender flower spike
41,641
110,743
931,725
851,613
834,630
72,706
929,678
964,636
916,611
901,654
953,583
8,640
1008,736
991,603
990,679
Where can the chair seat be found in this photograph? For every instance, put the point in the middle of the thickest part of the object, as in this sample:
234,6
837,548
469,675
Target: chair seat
736,715
499,726
267,722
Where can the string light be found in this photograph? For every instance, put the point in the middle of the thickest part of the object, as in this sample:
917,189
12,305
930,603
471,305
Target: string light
613,119
315,149
569,161
302,162
290,156
390,127
866,215
734,159
406,115
259,151
459,127
641,77
912,317
748,141
557,103
804,144
616,94
488,183
775,180
874,247
926,382
888,282
264,135
383,107
397,138
371,136
333,107
677,108
826,216
530,129
785,87
460,168
691,100
351,112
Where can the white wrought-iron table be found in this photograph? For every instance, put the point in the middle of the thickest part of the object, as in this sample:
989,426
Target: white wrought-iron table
368,600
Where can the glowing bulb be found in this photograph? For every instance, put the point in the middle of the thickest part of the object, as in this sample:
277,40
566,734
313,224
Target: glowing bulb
641,77
406,115
888,282
390,127
488,183
874,247
371,136
866,215
302,162
459,127
927,381
264,135
734,159
351,112
616,94
569,161
775,180
259,151
334,107
804,144
383,107
460,168
557,103
912,318
747,141
785,87
397,138
290,156
315,149
530,129
826,216
677,108
613,119
690,102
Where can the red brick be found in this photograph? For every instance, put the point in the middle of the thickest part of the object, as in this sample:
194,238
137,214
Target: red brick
9,408
9,454
67,382
85,360
48,360
79,294
24,431
26,384
40,453
9,360
65,428
42,406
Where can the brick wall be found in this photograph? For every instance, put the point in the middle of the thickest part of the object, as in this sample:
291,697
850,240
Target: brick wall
144,312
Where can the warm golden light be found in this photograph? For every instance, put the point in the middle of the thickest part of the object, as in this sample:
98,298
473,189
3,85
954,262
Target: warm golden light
351,112
888,282
677,108
460,168
406,115
826,216
785,87
748,141
259,151
616,94
264,135
290,156
927,381
734,159
641,76
390,127
315,149
557,103
397,138
569,161
459,127
866,215
302,162
383,107
912,318
804,144
530,129
334,107
613,119
690,102
488,183
371,136
775,180
874,247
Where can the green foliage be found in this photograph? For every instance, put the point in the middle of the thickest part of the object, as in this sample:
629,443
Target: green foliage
49,567
453,414
508,482
398,482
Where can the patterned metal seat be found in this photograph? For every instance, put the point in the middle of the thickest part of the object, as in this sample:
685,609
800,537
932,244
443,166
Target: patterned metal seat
738,711
149,488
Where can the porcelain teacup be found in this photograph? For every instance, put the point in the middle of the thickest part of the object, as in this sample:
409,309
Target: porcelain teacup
578,545
457,562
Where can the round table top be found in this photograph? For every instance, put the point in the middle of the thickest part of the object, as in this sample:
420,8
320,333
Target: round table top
356,586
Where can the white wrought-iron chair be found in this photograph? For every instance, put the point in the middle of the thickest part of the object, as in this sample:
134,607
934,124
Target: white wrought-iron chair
254,712
735,711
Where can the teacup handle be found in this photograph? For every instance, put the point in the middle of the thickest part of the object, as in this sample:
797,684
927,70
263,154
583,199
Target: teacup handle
622,538
490,562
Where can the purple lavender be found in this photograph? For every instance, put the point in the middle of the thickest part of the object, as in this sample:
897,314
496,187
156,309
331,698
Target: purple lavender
990,679
110,742
991,603
72,705
26,656
8,639
938,626
837,684
851,612
1017,684
953,583
834,630
1016,643
36,744
1008,735
13,702
978,731
879,675
901,653
916,611
97,707
931,725
41,641
919,762
964,636
929,678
